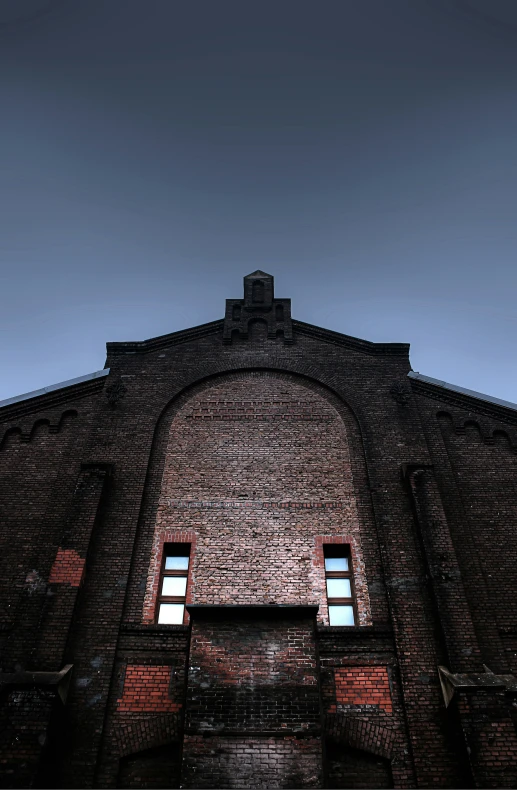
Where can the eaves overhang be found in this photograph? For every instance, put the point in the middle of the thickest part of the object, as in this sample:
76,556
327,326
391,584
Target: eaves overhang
75,387
348,341
163,341
429,384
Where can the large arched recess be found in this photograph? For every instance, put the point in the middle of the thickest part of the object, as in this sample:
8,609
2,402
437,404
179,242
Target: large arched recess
273,480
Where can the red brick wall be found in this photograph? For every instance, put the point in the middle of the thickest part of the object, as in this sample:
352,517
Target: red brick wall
68,568
363,686
146,690
258,465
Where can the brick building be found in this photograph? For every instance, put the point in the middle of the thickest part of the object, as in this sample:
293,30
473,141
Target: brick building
258,553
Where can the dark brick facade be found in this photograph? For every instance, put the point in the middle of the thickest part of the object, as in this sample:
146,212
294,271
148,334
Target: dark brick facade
258,440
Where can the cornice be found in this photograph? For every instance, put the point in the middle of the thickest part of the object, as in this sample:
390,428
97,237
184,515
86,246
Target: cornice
48,400
347,341
163,341
214,327
464,402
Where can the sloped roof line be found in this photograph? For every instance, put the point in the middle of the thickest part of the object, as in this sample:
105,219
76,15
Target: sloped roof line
462,390
52,387
412,374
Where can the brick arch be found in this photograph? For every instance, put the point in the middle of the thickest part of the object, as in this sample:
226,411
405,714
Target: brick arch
10,436
315,393
150,731
360,734
345,401
40,427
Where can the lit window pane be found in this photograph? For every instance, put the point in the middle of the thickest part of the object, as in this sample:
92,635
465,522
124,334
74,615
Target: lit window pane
174,585
336,563
341,615
339,588
176,563
171,613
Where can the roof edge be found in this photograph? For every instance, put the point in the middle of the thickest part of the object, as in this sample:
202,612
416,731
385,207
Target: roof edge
398,349
53,387
462,391
155,343
193,333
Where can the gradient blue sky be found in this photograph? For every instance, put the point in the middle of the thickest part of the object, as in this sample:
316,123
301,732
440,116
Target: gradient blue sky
153,152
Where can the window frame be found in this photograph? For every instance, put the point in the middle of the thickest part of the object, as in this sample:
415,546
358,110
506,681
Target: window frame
173,550
340,551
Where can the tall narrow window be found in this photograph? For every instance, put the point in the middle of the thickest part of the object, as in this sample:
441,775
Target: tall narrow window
173,583
339,581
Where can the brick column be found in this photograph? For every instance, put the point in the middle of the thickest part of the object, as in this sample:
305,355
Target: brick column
442,566
253,701
484,713
68,570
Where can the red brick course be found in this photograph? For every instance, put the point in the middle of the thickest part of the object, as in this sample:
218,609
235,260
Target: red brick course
68,568
363,686
146,690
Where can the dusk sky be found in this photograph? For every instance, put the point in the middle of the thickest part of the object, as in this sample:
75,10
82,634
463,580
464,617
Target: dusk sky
153,152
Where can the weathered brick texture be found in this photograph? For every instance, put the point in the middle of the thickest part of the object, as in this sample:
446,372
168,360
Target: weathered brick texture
252,762
238,473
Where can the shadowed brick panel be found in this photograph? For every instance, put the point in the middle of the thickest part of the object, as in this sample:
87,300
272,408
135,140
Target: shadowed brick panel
251,762
252,676
151,768
147,690
68,568
486,474
352,768
363,686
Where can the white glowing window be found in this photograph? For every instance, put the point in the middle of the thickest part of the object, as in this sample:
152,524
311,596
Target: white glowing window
339,582
173,584
339,588
341,615
176,563
336,563
171,613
